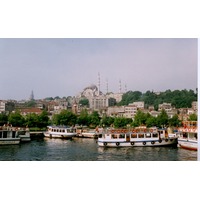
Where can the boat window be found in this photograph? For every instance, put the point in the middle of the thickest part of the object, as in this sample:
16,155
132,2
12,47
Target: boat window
141,135
148,135
100,135
133,135
114,136
155,135
195,135
0,134
121,136
185,135
4,134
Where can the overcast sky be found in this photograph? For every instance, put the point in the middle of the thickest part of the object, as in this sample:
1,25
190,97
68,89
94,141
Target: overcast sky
64,67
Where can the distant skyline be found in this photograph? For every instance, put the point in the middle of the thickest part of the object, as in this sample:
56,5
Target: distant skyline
64,67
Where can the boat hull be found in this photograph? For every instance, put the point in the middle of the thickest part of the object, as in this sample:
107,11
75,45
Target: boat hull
144,143
187,144
6,141
62,136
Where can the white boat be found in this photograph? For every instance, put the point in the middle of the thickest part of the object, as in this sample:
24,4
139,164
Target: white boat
8,136
60,132
137,137
188,135
24,134
90,134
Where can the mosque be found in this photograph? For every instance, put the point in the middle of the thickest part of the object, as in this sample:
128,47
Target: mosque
98,100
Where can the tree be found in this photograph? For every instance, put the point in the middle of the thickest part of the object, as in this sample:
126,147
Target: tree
64,118
139,119
43,119
151,121
31,120
120,122
107,121
83,119
84,102
162,119
94,119
174,121
3,119
192,117
16,119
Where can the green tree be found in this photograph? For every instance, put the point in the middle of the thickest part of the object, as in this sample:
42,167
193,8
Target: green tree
43,119
151,121
94,119
64,118
107,121
139,119
16,119
192,117
84,102
3,119
83,119
174,121
163,119
31,120
120,122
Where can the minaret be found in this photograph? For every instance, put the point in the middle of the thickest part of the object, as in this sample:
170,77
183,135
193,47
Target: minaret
31,96
125,88
120,87
98,83
107,86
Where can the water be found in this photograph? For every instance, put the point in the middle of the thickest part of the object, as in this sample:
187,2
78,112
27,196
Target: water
86,149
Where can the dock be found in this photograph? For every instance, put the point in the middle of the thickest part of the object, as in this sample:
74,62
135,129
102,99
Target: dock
37,134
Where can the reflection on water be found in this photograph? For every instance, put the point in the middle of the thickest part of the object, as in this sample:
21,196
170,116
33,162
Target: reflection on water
86,149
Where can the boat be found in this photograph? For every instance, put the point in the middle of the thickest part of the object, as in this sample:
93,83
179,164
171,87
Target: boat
8,135
24,134
188,135
137,137
60,132
89,133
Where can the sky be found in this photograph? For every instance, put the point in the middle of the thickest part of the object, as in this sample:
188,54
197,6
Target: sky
64,67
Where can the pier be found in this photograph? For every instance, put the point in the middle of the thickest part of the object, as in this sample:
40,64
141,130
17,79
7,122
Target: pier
37,134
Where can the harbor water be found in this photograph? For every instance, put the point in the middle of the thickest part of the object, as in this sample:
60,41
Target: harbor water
87,149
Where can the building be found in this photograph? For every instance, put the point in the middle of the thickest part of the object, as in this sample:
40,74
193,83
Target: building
138,104
116,111
195,106
130,111
26,111
6,106
165,106
2,106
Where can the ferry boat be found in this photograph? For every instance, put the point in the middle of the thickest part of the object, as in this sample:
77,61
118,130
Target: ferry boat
188,135
24,134
60,132
137,137
89,133
8,135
